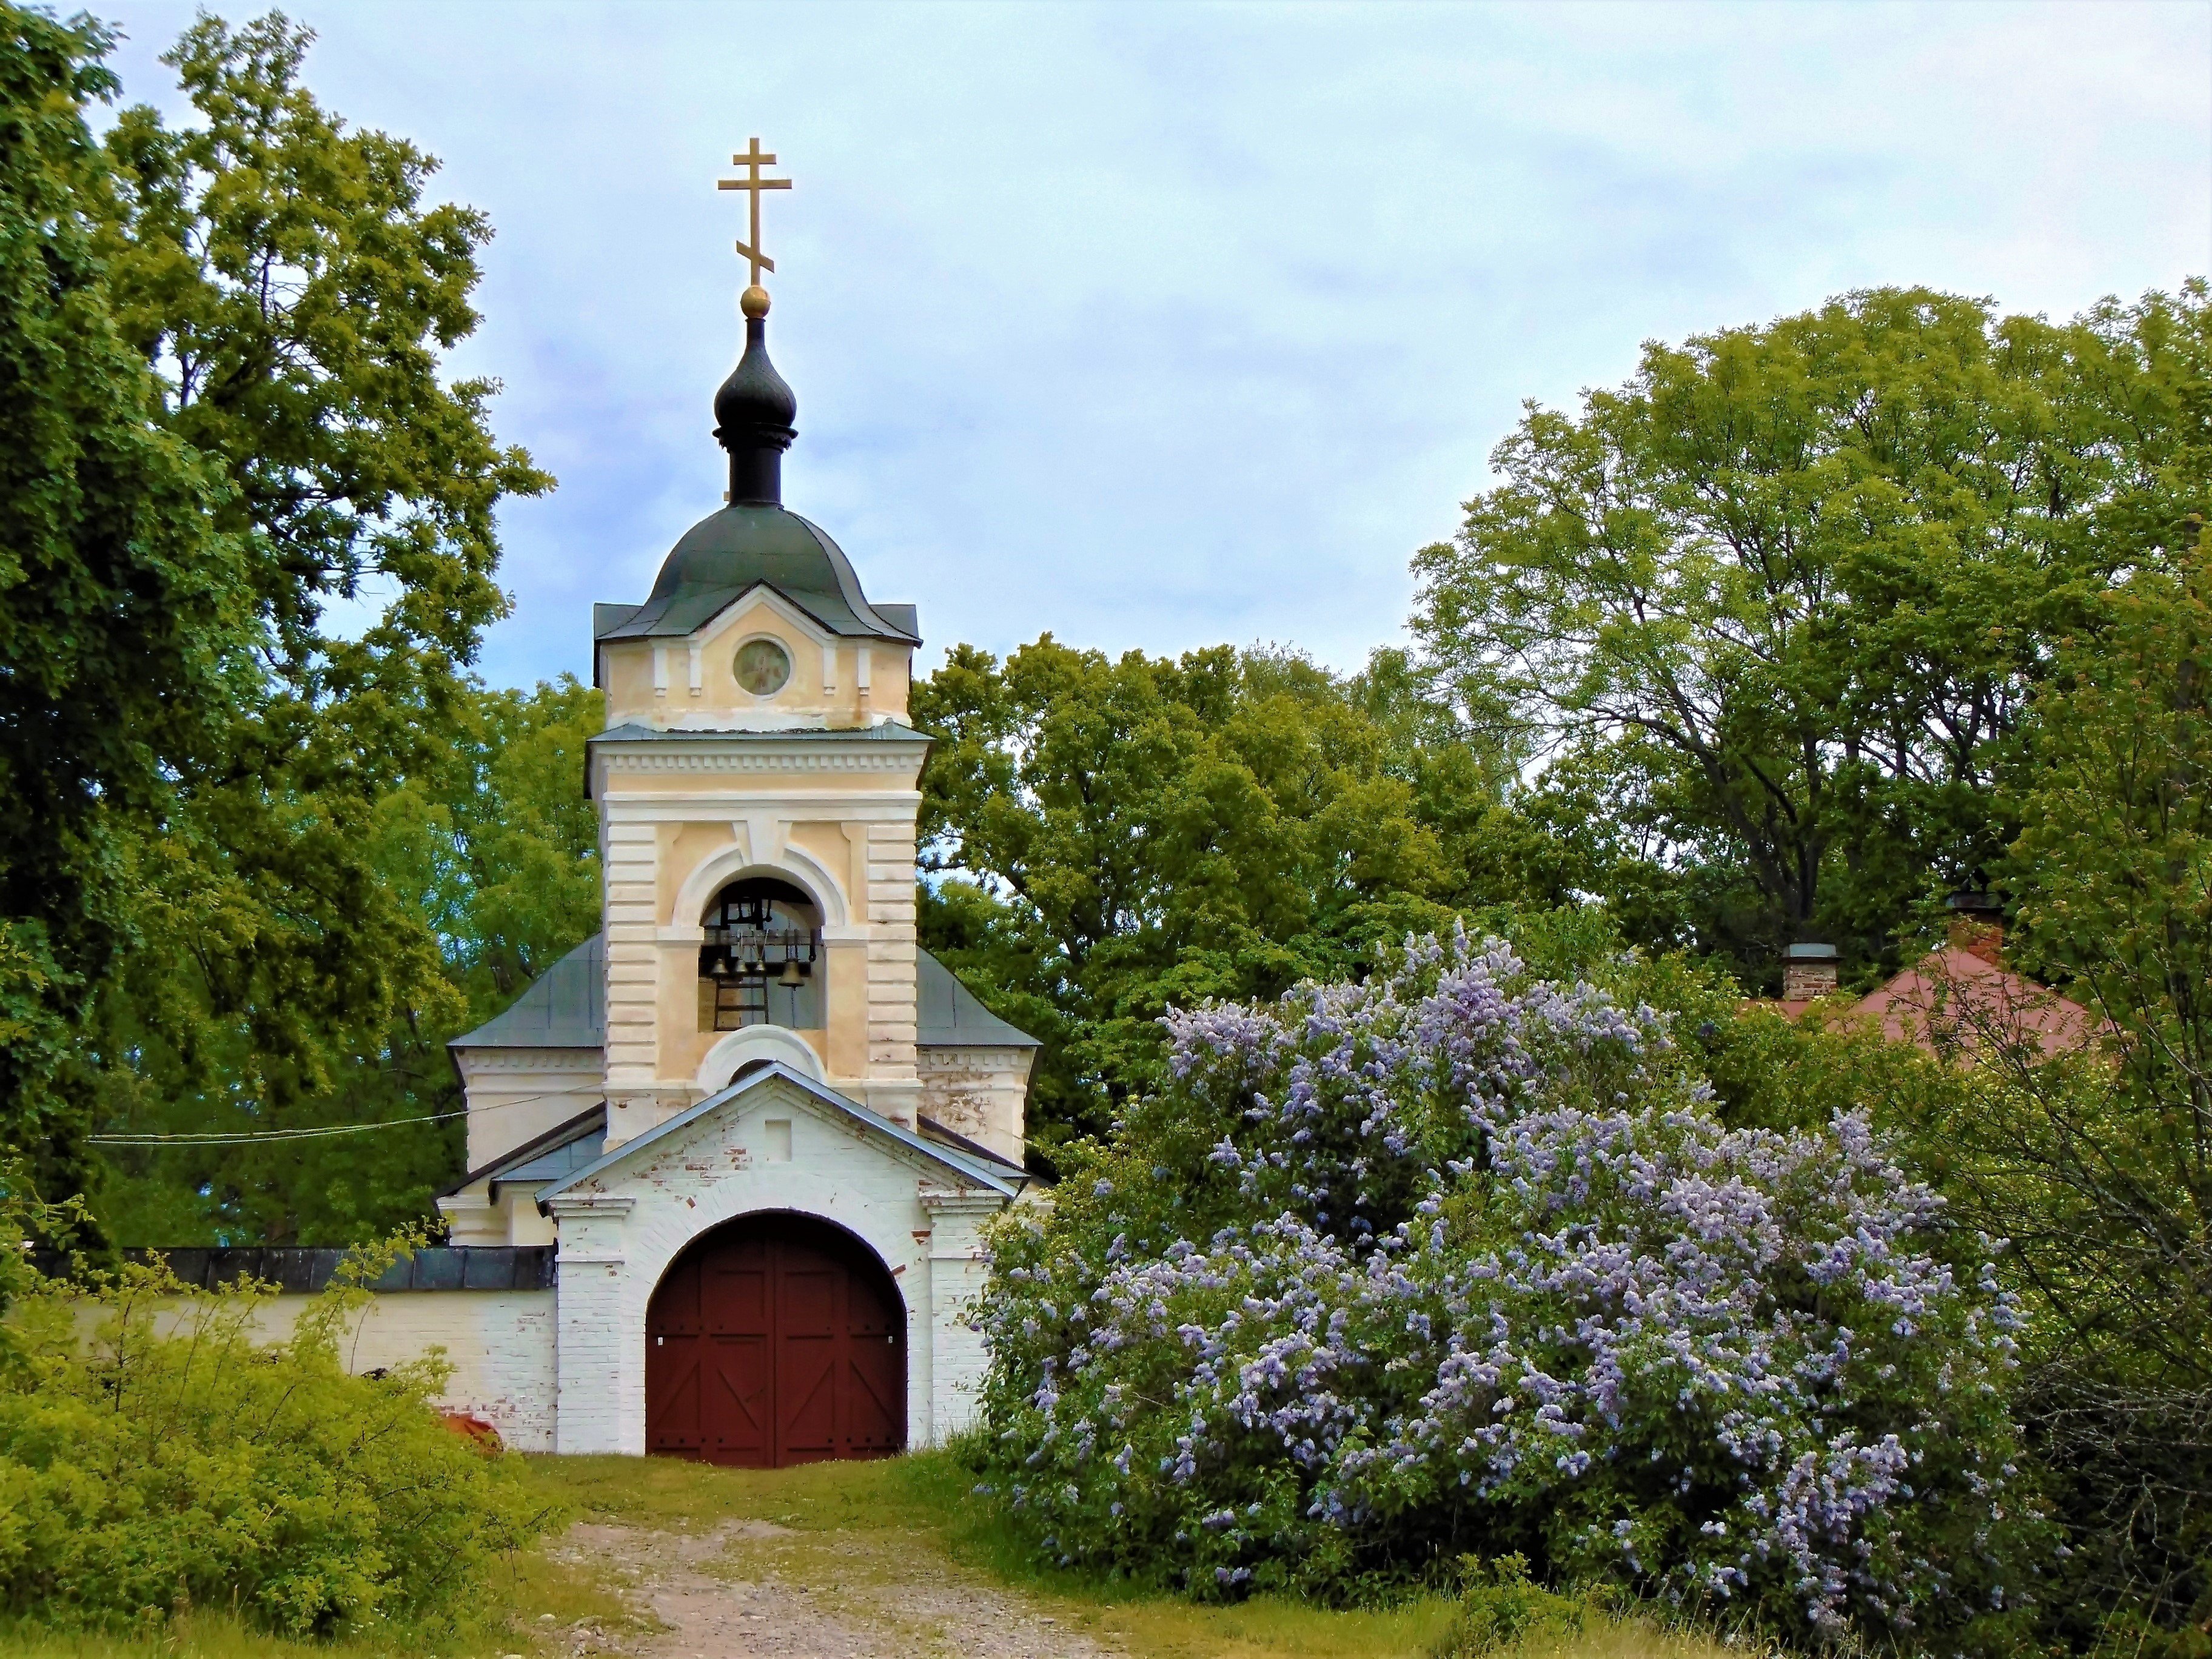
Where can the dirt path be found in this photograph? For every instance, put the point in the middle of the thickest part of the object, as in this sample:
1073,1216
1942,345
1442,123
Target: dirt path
751,1589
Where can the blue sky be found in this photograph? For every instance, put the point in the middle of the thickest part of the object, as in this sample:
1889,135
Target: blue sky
1159,325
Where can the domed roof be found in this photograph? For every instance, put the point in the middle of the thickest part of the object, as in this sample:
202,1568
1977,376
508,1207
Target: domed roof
755,541
745,545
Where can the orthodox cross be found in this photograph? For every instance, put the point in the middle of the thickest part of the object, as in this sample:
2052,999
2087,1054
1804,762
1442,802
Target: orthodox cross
754,160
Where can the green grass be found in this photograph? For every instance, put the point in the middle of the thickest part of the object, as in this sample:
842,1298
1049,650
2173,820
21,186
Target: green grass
850,1525
895,1504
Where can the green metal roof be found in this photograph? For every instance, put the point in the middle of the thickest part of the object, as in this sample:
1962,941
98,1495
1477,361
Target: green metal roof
950,1016
751,544
566,1007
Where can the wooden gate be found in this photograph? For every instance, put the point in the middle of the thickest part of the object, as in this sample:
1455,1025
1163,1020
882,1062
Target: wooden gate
774,1341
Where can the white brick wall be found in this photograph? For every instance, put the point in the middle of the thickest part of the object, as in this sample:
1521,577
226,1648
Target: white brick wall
618,1239
980,1092
957,1273
500,1344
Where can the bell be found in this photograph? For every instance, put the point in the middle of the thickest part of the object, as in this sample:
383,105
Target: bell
791,975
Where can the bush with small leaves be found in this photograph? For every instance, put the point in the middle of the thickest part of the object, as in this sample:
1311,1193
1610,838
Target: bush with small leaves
155,1456
1501,1608
1462,1260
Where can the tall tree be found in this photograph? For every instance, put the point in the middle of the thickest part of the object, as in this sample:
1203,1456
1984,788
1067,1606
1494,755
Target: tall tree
493,851
1775,605
221,377
125,625
1108,838
286,282
2101,1171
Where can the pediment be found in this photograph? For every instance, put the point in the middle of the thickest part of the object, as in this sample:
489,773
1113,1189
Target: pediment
743,613
728,1131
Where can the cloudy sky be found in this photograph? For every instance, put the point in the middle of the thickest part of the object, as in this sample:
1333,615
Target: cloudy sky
1159,325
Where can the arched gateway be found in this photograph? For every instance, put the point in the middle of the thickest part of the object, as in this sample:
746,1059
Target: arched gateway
775,1339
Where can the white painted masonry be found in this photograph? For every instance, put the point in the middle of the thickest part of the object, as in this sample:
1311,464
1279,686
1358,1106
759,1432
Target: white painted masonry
499,1343
624,1221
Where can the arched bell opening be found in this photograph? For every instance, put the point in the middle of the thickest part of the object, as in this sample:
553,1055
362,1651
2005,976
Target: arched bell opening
759,963
774,1340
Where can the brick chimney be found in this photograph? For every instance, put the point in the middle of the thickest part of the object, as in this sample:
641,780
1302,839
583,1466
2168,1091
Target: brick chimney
1977,925
1808,971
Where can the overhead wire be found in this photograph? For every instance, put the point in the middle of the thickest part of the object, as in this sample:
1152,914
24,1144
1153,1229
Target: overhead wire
248,1137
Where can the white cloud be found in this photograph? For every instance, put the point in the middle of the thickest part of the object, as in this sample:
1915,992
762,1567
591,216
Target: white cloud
1160,325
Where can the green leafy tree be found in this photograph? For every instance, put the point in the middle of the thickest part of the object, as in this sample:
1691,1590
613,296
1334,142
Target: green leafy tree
296,293
1774,607
2099,1169
283,296
284,276
124,618
1109,838
493,853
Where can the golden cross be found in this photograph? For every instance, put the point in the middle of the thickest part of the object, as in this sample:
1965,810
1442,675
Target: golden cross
753,159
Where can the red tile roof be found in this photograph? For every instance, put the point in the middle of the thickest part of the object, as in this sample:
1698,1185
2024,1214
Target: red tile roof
1956,999
1953,1000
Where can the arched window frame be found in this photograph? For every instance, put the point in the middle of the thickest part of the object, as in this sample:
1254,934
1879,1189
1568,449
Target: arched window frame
760,955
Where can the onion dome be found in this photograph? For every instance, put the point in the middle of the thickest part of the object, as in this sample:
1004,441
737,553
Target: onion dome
755,412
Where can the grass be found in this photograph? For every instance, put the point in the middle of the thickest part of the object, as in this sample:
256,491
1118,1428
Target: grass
848,1526
889,1508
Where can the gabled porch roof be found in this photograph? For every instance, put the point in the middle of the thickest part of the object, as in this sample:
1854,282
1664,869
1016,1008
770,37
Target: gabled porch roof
1001,1178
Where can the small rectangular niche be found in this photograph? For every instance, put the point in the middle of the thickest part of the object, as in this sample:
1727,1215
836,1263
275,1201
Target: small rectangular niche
775,1140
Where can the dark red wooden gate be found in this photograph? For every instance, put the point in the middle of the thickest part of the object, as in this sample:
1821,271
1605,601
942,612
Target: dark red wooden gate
776,1339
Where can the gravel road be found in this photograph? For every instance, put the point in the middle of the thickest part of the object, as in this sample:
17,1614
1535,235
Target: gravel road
752,1589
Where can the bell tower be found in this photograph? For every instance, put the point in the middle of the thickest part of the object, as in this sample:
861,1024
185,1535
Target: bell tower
758,786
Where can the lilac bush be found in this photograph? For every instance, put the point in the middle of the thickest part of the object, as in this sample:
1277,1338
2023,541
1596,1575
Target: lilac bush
1462,1261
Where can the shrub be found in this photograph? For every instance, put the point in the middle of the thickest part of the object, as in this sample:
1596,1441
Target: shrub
155,1457
1461,1260
1500,1608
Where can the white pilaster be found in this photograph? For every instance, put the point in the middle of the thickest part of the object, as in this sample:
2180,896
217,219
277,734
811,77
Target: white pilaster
958,1359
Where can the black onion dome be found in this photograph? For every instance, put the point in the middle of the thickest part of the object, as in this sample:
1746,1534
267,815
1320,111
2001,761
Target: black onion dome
756,400
753,416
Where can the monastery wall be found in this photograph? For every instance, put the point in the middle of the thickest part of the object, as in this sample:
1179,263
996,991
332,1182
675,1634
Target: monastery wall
499,1343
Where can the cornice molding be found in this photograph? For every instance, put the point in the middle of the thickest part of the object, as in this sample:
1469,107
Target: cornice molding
944,1056
628,804
576,1061
940,1201
585,1207
892,757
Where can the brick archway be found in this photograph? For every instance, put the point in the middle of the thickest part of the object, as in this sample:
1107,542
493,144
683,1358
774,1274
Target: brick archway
776,1339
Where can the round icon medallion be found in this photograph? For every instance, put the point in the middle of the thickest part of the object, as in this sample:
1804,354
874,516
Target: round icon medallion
762,666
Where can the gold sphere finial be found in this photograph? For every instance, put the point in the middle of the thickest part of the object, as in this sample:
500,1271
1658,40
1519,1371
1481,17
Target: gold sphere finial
753,302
